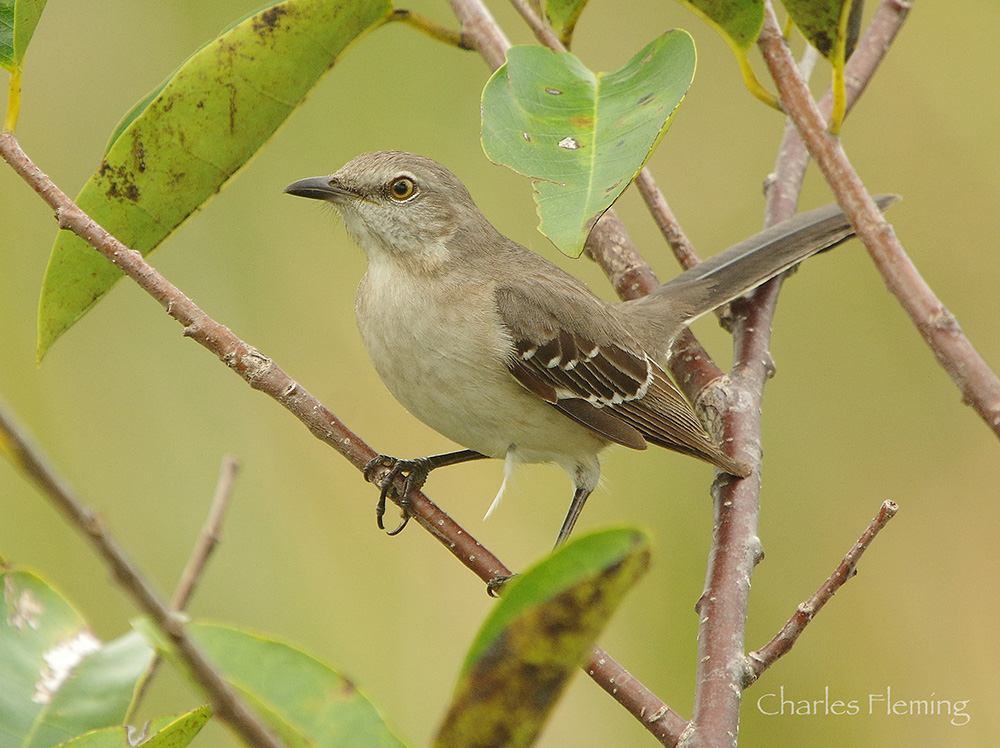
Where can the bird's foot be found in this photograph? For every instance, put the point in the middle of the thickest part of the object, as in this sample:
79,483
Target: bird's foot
414,474
494,586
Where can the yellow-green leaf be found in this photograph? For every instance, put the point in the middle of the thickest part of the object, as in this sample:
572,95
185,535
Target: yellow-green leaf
57,680
562,15
179,146
163,732
18,19
739,23
305,702
536,638
582,136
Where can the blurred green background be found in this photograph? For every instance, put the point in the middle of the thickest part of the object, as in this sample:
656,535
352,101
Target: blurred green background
138,418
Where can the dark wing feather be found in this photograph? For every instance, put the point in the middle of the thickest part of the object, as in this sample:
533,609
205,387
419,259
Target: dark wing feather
598,376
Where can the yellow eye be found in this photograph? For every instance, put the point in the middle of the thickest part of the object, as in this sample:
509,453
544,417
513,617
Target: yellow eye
402,188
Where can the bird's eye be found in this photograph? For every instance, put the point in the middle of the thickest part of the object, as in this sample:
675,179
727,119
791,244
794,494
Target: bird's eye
402,188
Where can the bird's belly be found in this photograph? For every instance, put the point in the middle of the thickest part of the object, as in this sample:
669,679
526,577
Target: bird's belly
448,368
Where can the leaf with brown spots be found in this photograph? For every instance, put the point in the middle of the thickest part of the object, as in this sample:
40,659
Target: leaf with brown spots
562,15
537,637
179,145
832,26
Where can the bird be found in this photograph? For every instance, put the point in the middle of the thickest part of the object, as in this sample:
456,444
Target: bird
506,354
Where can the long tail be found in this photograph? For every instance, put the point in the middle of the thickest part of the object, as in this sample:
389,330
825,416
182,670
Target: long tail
744,266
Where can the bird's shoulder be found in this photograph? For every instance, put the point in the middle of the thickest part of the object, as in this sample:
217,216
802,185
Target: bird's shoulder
568,343
576,352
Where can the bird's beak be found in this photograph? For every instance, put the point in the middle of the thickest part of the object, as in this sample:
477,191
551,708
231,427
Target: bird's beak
321,188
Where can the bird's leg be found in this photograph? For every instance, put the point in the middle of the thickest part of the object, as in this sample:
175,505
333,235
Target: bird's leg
580,496
414,474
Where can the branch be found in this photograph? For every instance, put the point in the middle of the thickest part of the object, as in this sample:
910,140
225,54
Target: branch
203,547
763,658
736,548
542,31
784,185
226,704
939,328
263,374
260,372
664,723
210,534
665,220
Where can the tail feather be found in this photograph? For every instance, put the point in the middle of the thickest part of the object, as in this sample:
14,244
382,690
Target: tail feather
744,266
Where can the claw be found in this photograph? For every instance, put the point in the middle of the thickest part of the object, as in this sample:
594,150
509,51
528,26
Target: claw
415,473
494,586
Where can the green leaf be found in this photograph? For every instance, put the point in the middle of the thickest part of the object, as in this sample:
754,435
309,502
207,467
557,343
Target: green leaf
177,148
165,732
7,34
18,19
57,680
832,26
827,24
582,137
563,15
304,701
739,23
536,638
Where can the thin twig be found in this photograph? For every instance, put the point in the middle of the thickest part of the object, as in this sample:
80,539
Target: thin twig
763,658
736,547
431,28
785,183
209,536
542,31
260,372
203,547
665,220
224,700
663,723
979,386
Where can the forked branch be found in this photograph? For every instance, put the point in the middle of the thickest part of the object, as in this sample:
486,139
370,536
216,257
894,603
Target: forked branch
265,375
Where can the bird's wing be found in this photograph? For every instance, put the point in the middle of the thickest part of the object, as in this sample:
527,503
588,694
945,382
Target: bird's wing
574,353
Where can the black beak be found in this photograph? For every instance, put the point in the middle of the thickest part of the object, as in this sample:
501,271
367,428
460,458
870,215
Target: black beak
320,188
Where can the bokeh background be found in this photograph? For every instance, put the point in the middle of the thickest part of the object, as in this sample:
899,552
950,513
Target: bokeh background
138,418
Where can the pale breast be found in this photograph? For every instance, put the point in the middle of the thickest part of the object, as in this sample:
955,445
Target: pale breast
443,354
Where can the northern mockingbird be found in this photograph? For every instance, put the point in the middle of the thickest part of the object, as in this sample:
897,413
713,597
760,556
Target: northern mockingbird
501,351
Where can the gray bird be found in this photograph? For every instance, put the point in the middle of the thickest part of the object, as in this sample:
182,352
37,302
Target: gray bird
508,355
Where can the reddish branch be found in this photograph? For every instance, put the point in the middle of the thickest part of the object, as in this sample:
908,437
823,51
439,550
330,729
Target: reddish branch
224,700
735,550
979,385
265,375
763,658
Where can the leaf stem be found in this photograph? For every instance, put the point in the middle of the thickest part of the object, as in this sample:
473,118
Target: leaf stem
433,29
13,99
